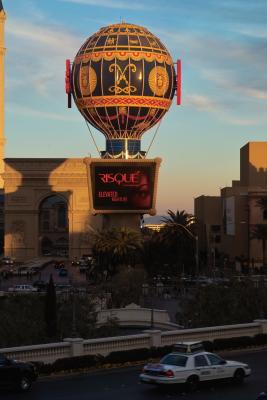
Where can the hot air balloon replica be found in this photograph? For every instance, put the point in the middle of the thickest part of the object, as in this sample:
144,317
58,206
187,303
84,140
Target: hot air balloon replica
123,81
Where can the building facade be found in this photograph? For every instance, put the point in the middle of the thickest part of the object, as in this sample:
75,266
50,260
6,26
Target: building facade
236,214
47,209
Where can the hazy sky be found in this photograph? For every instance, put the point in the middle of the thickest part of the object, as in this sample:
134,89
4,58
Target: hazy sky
223,47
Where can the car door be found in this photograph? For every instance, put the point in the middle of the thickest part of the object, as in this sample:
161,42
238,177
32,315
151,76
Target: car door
203,368
7,371
218,365
2,370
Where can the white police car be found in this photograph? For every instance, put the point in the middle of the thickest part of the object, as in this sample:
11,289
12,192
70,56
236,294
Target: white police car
191,364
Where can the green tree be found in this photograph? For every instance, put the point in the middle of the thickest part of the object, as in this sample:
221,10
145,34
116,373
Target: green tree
239,302
126,286
85,316
22,320
114,247
50,309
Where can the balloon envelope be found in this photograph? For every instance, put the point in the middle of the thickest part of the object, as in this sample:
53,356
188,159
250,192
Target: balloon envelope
123,80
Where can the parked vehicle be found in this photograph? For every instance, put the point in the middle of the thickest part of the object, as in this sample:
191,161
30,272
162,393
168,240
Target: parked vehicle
23,288
22,271
191,365
16,374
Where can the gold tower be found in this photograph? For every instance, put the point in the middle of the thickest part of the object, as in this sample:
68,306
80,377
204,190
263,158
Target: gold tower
2,90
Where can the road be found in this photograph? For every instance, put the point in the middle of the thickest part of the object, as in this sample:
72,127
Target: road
123,384
74,277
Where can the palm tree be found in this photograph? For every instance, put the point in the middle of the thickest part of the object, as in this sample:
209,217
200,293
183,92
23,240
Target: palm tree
126,245
260,233
179,236
262,203
115,247
180,217
102,250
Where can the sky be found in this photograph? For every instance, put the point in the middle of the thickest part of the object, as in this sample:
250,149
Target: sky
223,48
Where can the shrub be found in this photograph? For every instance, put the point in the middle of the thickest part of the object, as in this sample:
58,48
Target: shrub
232,343
73,363
260,338
127,356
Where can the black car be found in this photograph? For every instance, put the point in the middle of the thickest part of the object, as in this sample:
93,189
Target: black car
16,374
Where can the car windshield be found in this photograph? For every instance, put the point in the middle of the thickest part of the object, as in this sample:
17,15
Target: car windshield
174,359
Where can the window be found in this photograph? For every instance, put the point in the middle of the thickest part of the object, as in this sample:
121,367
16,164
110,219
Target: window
200,361
53,218
215,360
174,359
62,215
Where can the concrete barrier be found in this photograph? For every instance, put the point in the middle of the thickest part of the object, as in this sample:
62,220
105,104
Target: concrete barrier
48,353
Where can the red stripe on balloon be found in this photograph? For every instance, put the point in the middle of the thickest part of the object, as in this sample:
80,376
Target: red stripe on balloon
179,82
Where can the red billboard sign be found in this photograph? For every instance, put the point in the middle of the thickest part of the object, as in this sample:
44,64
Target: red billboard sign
127,185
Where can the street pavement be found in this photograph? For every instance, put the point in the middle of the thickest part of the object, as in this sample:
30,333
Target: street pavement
75,277
124,384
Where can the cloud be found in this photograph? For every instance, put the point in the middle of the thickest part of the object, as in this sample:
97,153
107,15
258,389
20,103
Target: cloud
122,5
259,32
201,103
36,56
30,112
235,64
238,84
47,36
222,110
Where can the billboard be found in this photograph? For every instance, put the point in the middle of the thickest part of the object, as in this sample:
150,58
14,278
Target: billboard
229,215
122,185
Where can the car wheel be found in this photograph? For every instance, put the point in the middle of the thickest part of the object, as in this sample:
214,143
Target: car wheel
192,383
238,376
25,384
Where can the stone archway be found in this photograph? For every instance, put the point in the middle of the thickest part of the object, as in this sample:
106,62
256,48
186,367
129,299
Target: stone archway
54,226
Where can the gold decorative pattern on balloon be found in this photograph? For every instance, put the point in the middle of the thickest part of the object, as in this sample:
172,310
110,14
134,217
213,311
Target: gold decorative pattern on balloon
120,101
142,125
152,112
123,56
111,41
123,110
158,81
134,41
120,77
88,80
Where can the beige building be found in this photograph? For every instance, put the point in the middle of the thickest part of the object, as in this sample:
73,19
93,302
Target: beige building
47,208
236,214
